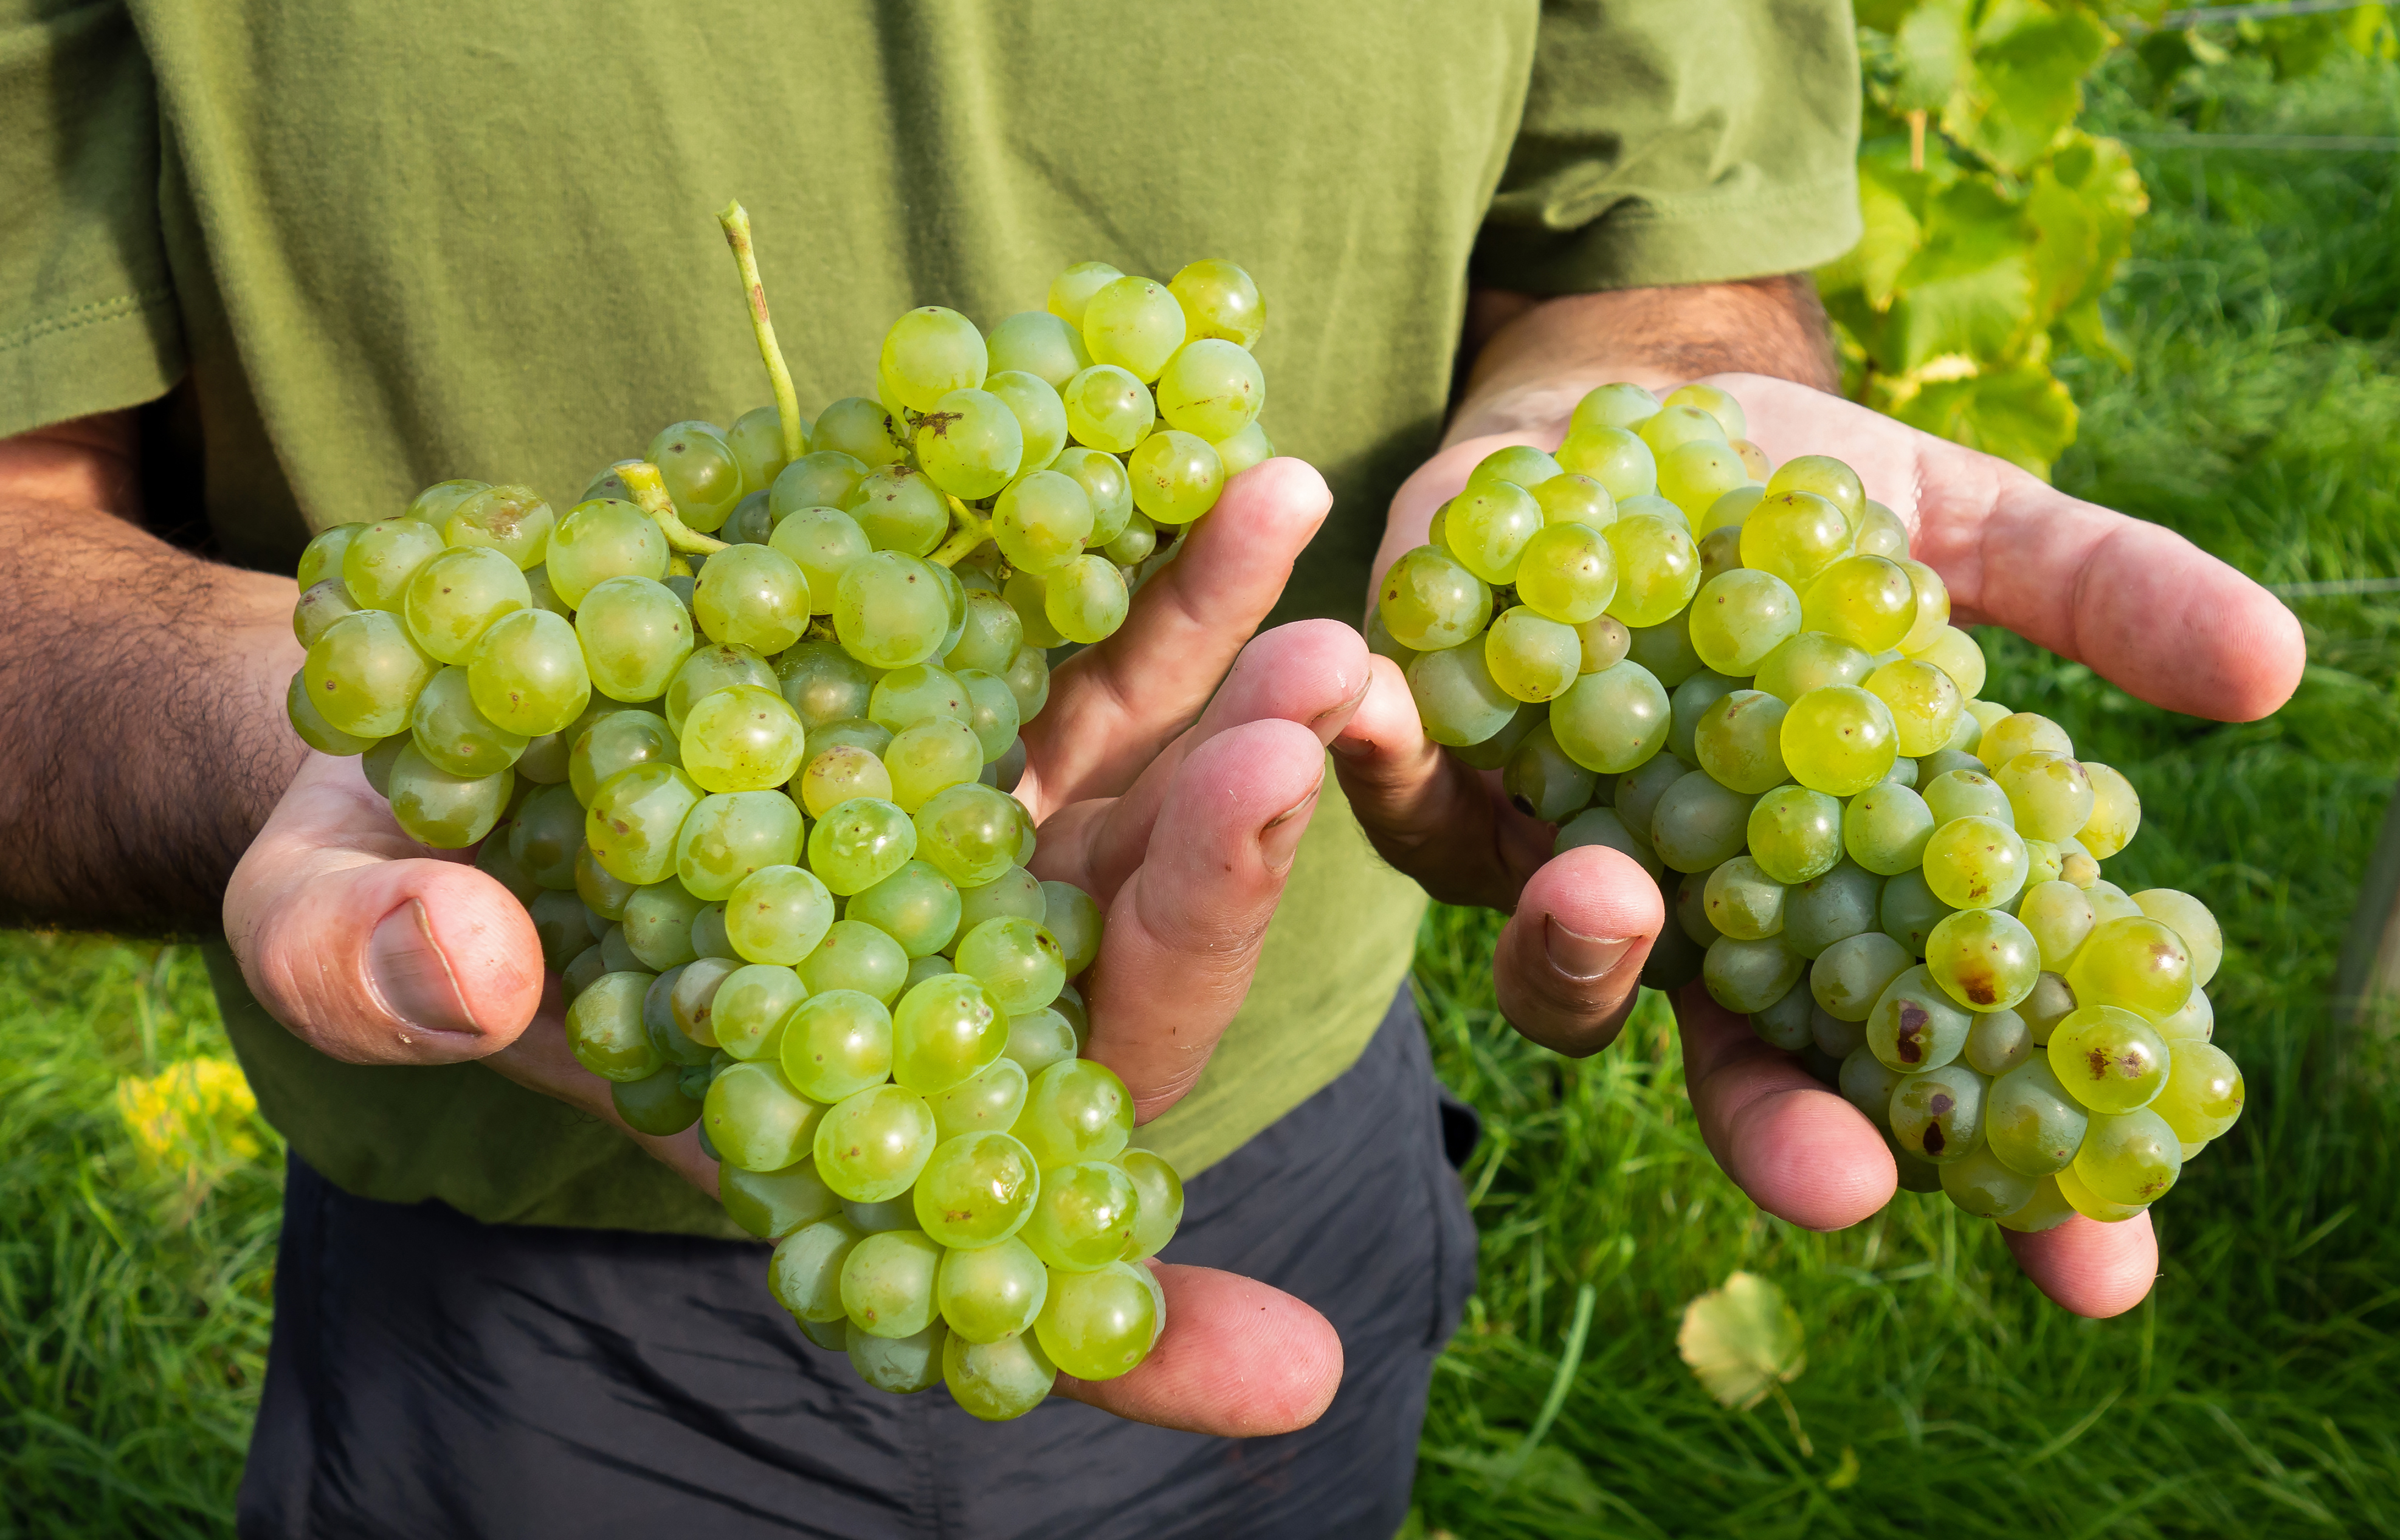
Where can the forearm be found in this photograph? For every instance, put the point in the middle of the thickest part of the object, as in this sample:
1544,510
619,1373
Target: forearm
1538,357
141,687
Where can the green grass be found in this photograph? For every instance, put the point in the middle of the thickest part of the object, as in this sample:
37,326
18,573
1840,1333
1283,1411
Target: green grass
2251,1395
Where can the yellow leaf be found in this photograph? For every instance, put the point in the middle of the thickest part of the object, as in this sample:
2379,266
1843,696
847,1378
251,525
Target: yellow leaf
1741,1341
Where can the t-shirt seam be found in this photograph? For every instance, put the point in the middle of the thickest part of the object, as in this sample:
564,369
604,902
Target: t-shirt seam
1648,208
99,310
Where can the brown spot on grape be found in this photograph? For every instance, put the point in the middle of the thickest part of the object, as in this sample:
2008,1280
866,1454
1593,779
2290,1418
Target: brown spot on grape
1933,1139
1910,1041
1943,1103
2098,1059
938,423
2136,1063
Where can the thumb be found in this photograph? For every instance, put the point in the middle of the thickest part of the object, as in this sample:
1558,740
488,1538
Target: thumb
367,947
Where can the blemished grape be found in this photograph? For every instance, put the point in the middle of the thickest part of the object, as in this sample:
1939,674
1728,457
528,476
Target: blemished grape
1567,572
2192,924
1825,477
1967,794
2109,1058
445,810
1984,958
1429,601
1740,742
1852,975
1975,863
2136,963
2131,1158
1924,701
1938,1113
970,443
702,476
2049,794
1744,902
1915,1026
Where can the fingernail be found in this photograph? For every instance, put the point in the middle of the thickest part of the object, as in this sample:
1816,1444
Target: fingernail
1279,842
1580,956
412,978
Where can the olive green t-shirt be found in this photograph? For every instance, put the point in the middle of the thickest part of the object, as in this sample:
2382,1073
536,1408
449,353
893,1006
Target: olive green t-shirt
361,246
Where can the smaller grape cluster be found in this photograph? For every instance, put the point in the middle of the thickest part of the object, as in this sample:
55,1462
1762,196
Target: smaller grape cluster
1734,673
741,732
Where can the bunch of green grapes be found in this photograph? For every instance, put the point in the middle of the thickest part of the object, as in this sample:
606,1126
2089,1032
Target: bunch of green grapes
740,732
1734,673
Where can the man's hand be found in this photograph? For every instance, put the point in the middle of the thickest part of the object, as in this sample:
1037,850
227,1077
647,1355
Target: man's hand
1173,772
2140,604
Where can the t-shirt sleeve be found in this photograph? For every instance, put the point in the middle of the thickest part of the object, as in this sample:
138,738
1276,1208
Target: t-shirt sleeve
87,316
1679,141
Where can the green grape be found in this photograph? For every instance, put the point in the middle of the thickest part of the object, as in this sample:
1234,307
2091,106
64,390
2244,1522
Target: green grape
1785,1024
1072,916
969,832
1529,657
614,742
1620,406
1251,446
1566,572
382,558
1041,521
1014,892
2203,1093
657,926
1740,742
1716,403
1213,388
1933,598
2136,963
757,440
1910,911
603,540
1159,1198
750,1011
2022,732
1915,1026
742,738
860,842
1608,722
1037,343
526,673
989,1100
2110,902
757,1120
1699,823
890,611
886,1283
1219,300
992,713
1086,600
930,352
1665,649
2131,1158
445,810
604,1030
1041,416
946,1030
1967,794
779,915
824,684
1852,974
1134,325
977,1190
1696,473
1865,601
1740,617
836,1044
837,774
1618,460
1566,499
1998,1042
1809,661
2049,793
1938,1113
1519,464
1017,959
1955,654
1176,476
364,674
1076,1110
1650,505
729,836
1040,1039
709,670
1984,1186
1096,1326
928,759
1975,863
1795,535
1825,477
855,425
1883,533
1542,782
1671,427
1902,773
855,955
2192,924
1745,976
1866,1083
635,633
825,479
1795,833
990,636
1726,517
805,1273
314,729
455,597
970,443
543,836
1887,828
990,1293
452,736
1083,1217
1489,528
1659,569
1430,601
2050,1004
2108,1057
1605,827
1072,290
899,1365
1458,699
702,474
1924,705
1691,700
2116,812
1108,409
709,938
320,560
998,1379
2033,1124
921,692
1839,740
897,507
1691,907
2088,1203
870,1146
319,606
1027,593
1984,959
772,1204
1744,902
1841,904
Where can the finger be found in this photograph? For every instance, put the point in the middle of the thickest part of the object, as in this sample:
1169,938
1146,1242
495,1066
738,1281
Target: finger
1568,962
1183,934
1117,703
1799,1151
1429,814
2138,603
542,1060
1313,673
2090,1268
1238,1359
364,945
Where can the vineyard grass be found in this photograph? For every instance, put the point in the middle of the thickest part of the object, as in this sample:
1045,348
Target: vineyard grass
2253,1394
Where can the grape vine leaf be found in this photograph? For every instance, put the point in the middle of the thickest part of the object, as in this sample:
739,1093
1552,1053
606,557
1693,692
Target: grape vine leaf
2028,80
1931,47
2020,413
1741,1341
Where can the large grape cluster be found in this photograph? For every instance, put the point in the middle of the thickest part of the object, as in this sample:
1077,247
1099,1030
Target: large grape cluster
1734,673
753,787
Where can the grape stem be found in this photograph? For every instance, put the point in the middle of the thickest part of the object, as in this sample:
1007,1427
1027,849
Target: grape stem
968,530
736,220
649,494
